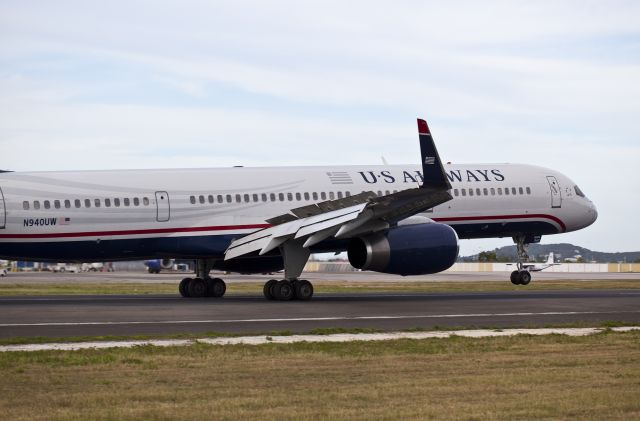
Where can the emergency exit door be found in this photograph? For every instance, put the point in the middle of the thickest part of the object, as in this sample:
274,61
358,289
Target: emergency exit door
556,193
3,211
162,206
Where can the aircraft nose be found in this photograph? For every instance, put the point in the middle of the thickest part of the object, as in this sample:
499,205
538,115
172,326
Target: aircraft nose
593,212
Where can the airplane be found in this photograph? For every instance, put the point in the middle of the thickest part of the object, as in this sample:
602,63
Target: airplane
395,219
533,267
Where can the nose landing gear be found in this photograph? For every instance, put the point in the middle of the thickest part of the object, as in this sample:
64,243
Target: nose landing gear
521,276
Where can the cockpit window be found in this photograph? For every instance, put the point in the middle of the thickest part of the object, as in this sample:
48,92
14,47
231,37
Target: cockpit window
578,191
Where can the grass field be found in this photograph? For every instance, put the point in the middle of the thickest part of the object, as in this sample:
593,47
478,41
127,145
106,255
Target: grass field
48,288
524,377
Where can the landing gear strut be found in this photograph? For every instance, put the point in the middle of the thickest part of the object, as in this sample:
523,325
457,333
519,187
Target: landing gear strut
521,276
202,285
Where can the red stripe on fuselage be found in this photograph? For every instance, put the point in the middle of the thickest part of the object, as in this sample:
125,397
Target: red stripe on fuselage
254,226
498,217
136,232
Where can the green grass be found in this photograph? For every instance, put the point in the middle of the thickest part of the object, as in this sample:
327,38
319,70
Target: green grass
523,377
316,331
125,288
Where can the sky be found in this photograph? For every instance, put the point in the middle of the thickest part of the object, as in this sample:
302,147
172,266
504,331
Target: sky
155,84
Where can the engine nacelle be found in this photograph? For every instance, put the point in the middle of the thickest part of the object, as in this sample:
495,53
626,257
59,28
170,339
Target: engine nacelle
167,263
406,250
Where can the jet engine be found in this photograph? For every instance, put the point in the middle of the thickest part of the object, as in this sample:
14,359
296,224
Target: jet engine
167,263
406,250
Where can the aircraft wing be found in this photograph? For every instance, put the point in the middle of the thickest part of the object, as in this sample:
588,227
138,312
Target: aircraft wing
354,215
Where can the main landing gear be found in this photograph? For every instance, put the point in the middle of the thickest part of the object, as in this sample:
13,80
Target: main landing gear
285,290
295,256
521,276
202,285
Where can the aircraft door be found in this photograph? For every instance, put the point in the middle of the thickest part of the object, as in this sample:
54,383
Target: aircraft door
3,211
556,193
162,206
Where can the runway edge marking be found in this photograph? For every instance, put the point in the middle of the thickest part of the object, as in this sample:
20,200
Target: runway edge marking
335,338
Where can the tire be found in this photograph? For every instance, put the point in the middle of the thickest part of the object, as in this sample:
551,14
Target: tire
515,277
268,287
525,277
283,290
197,288
303,290
216,287
184,287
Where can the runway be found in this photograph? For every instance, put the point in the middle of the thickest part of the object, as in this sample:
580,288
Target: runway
56,316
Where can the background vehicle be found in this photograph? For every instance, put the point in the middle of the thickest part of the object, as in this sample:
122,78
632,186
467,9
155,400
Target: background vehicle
64,267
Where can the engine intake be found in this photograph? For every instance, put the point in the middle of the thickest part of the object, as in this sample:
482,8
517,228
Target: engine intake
406,250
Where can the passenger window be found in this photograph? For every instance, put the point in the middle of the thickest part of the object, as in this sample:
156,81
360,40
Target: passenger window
298,197
25,205
306,195
500,191
56,204
47,205
126,201
478,193
116,202
97,202
513,191
493,191
255,198
238,198
386,192
210,198
463,191
506,190
136,201
289,197
520,190
379,193
331,196
87,203
145,201
347,194
339,195
315,196
229,198
281,197
67,203
77,203
272,196
528,190
192,199
323,196
455,192
107,202
486,192
36,205
247,198
201,199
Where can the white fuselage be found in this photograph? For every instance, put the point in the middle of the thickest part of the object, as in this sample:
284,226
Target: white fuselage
133,214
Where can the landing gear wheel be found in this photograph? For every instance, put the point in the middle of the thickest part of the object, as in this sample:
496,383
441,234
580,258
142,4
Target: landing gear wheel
216,287
515,277
303,290
268,289
525,277
283,290
184,287
197,288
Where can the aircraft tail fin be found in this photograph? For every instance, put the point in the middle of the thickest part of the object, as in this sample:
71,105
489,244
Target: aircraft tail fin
432,169
550,258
